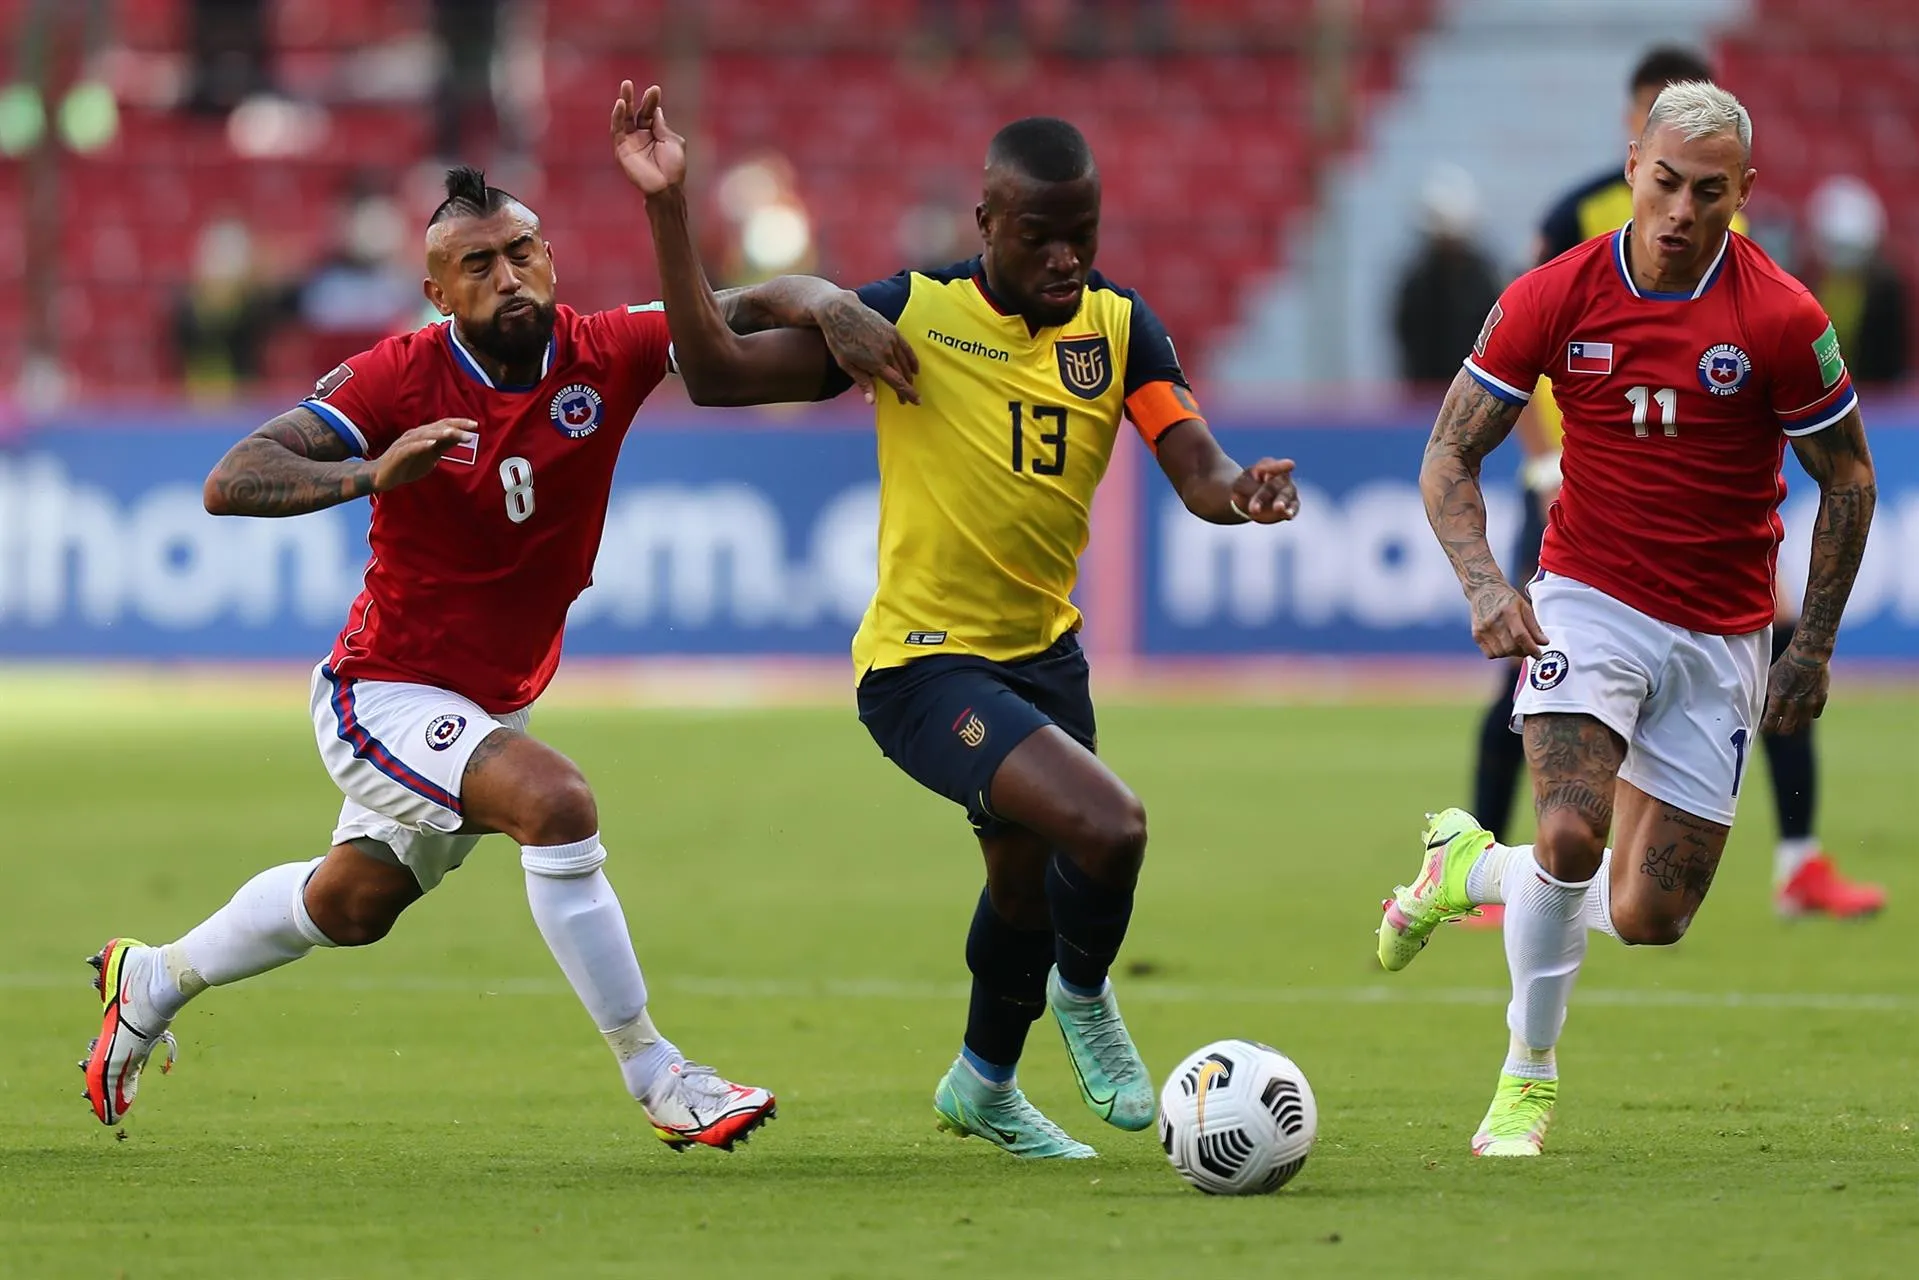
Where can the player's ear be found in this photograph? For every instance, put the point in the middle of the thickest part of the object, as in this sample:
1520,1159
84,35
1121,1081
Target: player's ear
984,218
552,271
1632,160
435,295
1745,187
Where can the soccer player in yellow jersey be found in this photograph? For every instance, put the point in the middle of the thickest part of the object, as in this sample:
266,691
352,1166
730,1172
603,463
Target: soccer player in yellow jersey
970,674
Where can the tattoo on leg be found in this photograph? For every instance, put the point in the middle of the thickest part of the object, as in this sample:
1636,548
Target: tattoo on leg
490,746
1575,763
1687,865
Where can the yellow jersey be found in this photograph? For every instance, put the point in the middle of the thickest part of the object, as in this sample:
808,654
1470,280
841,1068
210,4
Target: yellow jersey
986,486
1595,207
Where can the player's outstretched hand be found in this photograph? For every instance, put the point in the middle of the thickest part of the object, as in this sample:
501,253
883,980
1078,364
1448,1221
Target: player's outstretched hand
652,156
869,348
1504,623
1264,492
1795,692
414,454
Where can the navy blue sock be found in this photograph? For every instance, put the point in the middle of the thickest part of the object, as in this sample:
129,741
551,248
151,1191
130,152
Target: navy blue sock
1502,758
1090,920
1789,758
1009,989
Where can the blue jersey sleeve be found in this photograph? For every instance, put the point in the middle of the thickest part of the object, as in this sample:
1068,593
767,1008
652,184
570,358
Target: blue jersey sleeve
1150,356
888,297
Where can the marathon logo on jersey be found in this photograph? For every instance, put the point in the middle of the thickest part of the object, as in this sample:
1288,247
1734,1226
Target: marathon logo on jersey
337,379
1548,670
968,346
1085,365
1589,357
970,728
445,731
577,410
1493,318
1724,369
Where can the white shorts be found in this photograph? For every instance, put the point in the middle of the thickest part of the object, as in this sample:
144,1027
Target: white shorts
399,751
1687,703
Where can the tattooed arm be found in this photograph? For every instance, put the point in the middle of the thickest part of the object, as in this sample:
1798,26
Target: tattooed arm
297,463
1471,424
1838,459
863,342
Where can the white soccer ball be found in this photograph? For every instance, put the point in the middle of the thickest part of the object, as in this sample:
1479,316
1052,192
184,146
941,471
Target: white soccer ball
1237,1118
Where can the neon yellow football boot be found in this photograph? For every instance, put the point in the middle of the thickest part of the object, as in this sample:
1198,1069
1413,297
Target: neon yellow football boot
1516,1123
1454,840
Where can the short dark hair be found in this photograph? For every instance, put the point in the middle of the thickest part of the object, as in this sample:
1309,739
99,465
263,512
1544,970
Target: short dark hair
1668,64
468,196
1045,148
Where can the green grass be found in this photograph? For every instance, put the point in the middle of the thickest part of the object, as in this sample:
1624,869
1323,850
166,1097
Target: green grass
1742,1105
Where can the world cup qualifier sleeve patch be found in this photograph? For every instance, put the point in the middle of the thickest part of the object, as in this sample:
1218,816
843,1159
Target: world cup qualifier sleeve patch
1548,670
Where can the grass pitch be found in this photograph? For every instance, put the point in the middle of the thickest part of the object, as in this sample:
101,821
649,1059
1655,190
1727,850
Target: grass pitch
1742,1105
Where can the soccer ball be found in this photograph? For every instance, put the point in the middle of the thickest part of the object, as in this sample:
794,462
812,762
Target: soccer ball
1237,1118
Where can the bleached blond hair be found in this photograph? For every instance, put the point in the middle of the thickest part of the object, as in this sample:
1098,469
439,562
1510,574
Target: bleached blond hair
1700,109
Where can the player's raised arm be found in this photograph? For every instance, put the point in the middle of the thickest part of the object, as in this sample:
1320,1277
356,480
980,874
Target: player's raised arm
717,365
1838,459
299,463
1470,425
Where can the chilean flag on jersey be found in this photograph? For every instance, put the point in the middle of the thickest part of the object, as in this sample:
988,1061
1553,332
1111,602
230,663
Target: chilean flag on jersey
1589,357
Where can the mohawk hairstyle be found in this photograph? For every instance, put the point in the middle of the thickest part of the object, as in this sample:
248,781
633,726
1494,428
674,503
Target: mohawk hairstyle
468,196
1044,148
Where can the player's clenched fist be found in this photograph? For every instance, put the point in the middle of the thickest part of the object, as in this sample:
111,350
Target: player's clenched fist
415,453
1504,624
1264,492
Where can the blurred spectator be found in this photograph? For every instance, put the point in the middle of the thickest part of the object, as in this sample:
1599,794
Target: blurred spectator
464,104
768,231
936,230
998,21
1448,287
88,116
227,43
1861,291
222,322
365,288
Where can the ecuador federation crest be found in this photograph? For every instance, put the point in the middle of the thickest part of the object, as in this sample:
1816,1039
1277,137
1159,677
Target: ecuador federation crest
1085,365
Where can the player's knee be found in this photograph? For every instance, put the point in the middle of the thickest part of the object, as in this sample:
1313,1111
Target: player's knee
564,812
1112,840
1569,845
356,913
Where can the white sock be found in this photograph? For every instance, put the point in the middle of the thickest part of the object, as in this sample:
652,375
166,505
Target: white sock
1486,879
264,926
1545,942
580,917
1598,910
1790,855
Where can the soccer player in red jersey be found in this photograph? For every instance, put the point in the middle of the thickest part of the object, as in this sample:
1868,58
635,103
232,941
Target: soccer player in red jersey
1684,360
486,522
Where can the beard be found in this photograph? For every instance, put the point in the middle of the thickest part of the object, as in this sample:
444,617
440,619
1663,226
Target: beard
523,336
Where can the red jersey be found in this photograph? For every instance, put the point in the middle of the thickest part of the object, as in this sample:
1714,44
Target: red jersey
475,565
1674,405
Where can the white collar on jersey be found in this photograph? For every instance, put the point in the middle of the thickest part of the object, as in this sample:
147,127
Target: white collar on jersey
466,360
1624,234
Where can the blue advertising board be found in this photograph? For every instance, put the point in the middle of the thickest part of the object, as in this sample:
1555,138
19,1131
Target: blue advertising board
742,535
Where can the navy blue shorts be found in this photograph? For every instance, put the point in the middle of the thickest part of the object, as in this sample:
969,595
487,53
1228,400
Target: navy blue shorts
950,721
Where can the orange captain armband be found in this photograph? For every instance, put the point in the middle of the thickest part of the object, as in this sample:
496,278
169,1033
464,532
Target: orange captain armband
1156,406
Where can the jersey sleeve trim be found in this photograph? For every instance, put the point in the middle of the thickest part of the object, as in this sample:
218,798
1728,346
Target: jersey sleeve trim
1820,417
1158,407
343,425
1503,390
